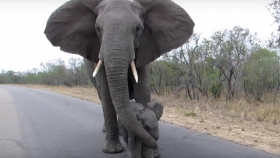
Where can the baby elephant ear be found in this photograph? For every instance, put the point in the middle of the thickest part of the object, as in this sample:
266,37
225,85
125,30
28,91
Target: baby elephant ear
138,115
156,107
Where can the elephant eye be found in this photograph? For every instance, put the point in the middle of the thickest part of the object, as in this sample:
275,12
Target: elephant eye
138,28
98,31
146,127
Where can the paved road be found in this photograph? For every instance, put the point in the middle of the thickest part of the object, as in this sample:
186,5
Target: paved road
42,124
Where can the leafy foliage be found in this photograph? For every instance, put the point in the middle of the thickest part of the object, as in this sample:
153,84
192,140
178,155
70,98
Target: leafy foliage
50,73
258,72
274,9
228,64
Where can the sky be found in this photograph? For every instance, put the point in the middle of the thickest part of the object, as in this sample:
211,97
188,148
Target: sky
23,45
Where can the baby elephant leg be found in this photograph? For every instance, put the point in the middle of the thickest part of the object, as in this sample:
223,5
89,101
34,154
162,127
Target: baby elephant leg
147,152
134,147
156,153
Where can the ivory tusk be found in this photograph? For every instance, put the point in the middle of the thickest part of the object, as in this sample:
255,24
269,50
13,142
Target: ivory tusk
134,71
97,68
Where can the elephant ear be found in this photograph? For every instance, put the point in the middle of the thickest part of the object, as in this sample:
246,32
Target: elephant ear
167,26
72,28
156,107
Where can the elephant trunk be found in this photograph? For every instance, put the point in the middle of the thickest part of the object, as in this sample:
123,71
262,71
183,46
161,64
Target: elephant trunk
116,71
155,134
117,52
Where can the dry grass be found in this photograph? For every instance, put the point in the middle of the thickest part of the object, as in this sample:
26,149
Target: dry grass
252,124
238,121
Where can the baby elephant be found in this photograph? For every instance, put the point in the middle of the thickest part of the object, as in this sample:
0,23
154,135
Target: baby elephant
148,116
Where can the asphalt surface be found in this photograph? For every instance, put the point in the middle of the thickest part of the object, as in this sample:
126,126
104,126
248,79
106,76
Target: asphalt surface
42,124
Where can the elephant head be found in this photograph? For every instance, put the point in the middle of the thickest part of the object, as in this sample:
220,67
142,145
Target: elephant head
149,117
117,34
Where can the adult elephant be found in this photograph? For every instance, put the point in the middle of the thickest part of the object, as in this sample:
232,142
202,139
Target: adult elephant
116,34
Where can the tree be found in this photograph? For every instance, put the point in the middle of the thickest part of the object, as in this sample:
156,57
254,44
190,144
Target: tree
10,76
274,9
229,52
76,73
261,73
191,62
53,72
276,79
161,78
193,57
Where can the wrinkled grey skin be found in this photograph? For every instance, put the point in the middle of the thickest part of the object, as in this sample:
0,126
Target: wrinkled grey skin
148,118
118,32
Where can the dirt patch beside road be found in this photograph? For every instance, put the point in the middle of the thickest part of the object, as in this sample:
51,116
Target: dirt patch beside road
261,136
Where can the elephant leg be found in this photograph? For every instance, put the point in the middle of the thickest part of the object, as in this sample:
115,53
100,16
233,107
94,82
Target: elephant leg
124,133
99,95
156,153
104,126
147,152
90,67
112,142
134,147
141,90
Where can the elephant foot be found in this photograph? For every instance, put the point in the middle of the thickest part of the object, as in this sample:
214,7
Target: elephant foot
147,152
156,153
113,146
